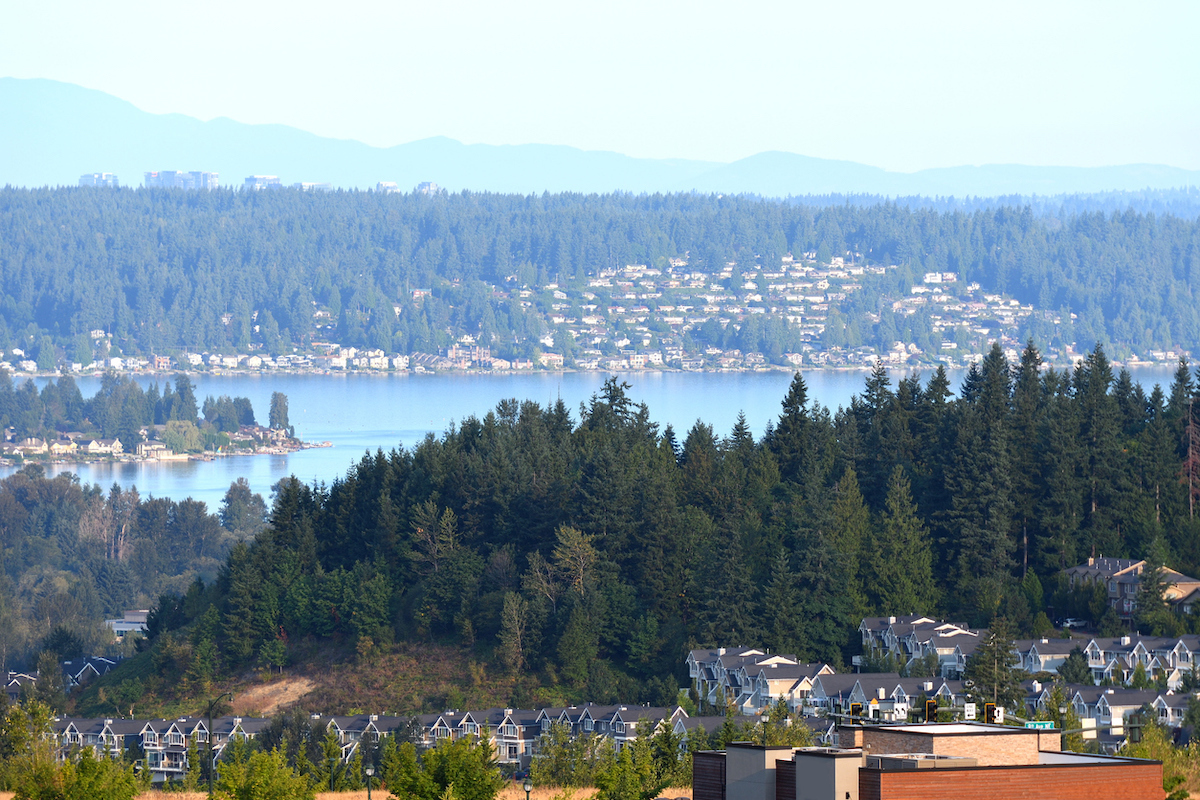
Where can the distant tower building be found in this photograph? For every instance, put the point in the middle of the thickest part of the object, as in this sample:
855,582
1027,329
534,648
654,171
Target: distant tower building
387,187
171,179
427,187
258,182
99,179
313,187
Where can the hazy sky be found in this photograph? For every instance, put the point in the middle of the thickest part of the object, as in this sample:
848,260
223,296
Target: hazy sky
898,85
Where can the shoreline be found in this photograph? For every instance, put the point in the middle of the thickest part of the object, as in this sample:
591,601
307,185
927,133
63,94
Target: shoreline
904,367
173,458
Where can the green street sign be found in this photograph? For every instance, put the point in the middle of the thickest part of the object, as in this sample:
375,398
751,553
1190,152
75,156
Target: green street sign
1040,725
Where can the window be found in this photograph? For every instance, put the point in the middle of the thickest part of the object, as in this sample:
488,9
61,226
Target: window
545,725
587,724
508,730
619,727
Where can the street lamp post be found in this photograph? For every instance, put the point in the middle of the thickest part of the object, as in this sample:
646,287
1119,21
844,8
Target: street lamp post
211,765
528,787
370,771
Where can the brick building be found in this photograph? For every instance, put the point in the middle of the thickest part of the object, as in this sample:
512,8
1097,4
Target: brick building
954,761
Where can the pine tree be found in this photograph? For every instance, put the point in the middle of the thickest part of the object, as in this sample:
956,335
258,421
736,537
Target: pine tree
1028,408
781,607
902,582
732,609
1062,493
850,536
790,441
977,524
992,674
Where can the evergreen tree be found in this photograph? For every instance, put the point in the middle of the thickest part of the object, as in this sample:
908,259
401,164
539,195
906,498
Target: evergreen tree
851,536
781,607
1075,669
902,561
790,441
992,674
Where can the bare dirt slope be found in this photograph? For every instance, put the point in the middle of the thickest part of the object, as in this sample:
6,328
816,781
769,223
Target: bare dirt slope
267,699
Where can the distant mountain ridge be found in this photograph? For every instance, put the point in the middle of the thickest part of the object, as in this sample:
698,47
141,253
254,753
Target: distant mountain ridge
52,132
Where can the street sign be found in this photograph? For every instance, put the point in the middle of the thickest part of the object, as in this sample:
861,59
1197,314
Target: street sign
1040,725
969,711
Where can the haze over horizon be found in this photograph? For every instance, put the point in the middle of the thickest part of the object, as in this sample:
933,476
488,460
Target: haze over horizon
1073,84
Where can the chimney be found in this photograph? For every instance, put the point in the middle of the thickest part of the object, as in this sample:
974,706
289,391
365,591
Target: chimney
891,620
880,693
720,651
1045,640
1091,561
929,686
1037,686
1125,641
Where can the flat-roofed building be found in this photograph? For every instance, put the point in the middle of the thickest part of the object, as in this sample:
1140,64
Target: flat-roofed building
948,761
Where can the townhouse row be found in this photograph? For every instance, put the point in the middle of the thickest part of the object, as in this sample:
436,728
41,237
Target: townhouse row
1111,659
513,733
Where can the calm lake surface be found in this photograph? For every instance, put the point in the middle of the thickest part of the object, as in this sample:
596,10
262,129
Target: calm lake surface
362,412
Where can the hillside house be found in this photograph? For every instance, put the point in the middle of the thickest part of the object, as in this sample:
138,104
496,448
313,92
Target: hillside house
1122,578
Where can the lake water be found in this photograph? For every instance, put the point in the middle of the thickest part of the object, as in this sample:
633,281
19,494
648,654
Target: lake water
358,412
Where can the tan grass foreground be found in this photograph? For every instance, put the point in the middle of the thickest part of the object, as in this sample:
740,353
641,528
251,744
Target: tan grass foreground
512,791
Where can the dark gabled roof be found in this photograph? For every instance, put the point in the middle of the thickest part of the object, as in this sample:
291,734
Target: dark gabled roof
1117,696
1106,567
1047,646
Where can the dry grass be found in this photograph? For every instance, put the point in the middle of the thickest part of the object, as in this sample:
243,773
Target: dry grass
267,699
512,791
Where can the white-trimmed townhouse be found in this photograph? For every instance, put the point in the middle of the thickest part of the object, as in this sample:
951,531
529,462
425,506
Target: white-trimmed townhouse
625,721
913,637
1121,577
1045,654
1115,704
565,716
717,677
79,671
791,683
16,685
1170,708
952,646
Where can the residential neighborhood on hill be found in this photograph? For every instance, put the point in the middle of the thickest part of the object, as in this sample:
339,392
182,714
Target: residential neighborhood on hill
642,317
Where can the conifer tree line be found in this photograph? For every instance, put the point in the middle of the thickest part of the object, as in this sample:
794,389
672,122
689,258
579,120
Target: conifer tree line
164,271
122,409
592,549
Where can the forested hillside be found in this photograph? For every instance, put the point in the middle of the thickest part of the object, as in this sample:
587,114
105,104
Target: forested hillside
164,270
74,555
588,549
